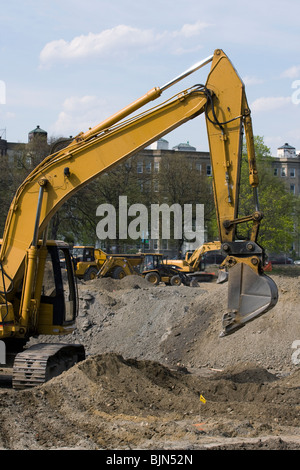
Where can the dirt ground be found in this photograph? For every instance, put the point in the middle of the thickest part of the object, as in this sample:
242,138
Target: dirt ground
152,352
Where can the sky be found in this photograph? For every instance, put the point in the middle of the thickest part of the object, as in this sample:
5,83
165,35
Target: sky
67,65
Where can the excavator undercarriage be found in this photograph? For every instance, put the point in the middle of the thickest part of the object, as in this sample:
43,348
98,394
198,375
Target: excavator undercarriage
41,362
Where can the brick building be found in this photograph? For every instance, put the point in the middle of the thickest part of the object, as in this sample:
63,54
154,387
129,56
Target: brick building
286,165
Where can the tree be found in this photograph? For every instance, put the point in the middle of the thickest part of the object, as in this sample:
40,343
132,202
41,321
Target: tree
181,183
77,218
14,168
276,202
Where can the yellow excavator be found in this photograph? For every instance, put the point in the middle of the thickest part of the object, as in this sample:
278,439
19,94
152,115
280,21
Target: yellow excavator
37,298
191,265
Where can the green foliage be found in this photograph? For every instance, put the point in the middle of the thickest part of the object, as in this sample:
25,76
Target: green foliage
276,202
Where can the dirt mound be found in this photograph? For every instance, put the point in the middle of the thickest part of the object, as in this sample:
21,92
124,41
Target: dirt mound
151,352
246,373
108,402
181,325
128,282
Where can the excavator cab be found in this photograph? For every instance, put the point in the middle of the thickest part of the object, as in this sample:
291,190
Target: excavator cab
59,301
83,253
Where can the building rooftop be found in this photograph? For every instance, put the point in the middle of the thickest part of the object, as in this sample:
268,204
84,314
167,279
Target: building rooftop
38,130
286,146
185,147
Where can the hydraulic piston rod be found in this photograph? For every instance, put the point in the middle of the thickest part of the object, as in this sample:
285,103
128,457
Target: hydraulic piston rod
143,100
185,74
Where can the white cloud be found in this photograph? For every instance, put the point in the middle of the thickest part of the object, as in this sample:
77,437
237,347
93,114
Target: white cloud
189,30
78,114
251,80
115,41
292,72
270,103
102,44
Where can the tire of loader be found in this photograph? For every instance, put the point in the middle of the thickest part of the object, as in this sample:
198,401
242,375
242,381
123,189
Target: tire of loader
153,278
118,273
175,280
91,273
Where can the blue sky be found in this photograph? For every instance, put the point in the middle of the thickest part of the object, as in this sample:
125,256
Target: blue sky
67,65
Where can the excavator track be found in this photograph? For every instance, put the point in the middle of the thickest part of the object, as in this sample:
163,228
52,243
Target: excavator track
41,362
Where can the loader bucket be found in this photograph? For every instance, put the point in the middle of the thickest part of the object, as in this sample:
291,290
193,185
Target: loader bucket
222,276
249,296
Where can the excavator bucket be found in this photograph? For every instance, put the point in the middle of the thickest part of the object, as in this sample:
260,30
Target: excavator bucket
249,296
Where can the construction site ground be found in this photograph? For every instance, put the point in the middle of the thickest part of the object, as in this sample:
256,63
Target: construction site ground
152,353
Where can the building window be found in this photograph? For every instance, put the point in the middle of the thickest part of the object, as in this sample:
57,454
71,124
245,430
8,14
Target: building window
164,244
292,172
198,166
208,170
28,160
156,167
148,167
275,171
140,167
283,172
293,188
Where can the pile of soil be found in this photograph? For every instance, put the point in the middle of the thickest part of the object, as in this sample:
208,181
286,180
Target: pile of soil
152,352
181,325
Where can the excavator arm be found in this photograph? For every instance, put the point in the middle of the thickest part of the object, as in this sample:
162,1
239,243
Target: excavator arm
250,292
222,100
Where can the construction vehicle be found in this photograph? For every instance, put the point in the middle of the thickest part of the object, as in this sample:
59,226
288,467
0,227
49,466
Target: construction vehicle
192,265
151,266
30,306
119,266
89,262
85,264
155,270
